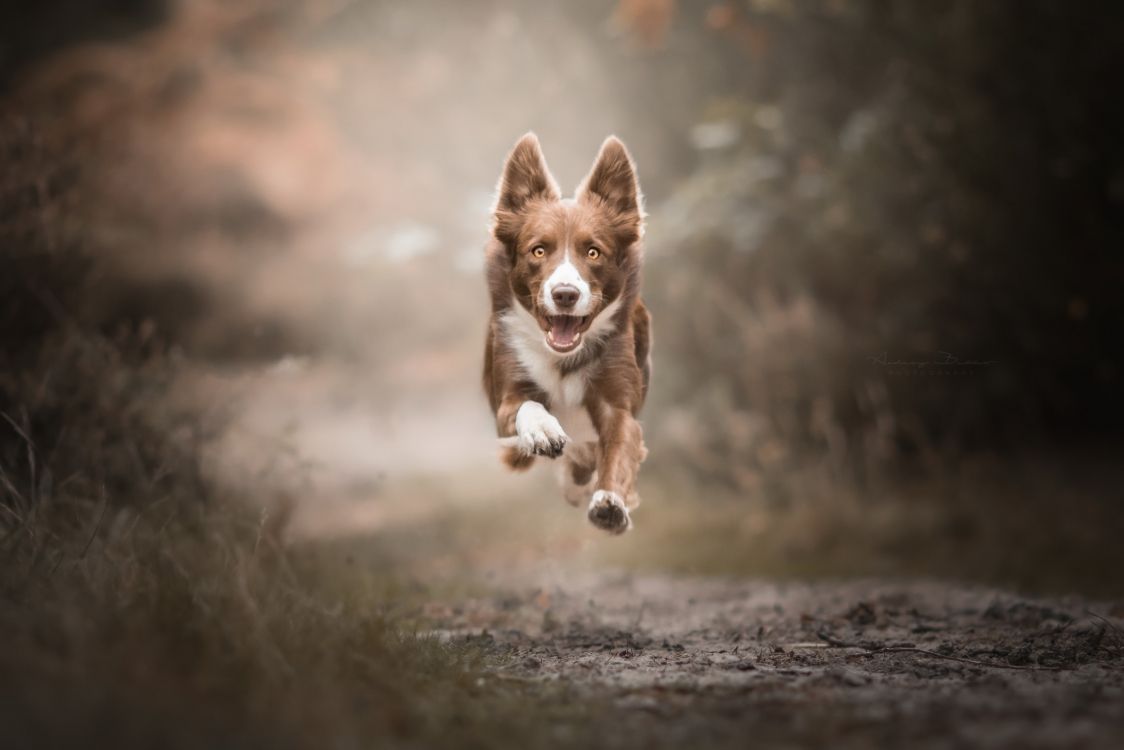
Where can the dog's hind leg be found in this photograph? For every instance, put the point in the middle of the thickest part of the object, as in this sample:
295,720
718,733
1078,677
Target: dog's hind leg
577,472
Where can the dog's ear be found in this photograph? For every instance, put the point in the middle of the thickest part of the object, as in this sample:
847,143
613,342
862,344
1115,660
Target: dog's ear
525,177
612,182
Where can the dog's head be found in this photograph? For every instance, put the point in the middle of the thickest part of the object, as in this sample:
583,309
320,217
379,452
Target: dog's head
568,262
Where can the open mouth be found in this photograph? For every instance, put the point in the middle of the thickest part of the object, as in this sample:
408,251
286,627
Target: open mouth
564,332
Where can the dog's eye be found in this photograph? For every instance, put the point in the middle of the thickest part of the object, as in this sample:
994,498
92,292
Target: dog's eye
538,251
593,253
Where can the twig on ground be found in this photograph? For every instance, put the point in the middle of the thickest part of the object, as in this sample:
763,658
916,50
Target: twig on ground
831,640
950,657
868,650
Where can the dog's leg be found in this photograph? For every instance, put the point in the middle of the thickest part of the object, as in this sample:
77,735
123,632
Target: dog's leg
622,450
526,430
537,432
577,471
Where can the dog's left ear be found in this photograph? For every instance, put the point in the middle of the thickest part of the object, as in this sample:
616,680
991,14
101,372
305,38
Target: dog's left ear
525,177
612,182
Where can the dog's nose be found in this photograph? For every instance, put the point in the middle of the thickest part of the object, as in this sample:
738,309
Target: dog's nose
565,296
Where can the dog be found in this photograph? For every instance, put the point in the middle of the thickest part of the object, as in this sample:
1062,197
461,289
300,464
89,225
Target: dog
567,358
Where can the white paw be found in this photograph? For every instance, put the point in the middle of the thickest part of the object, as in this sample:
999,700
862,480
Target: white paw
607,511
537,432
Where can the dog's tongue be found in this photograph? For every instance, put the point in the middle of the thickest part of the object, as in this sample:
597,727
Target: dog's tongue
564,329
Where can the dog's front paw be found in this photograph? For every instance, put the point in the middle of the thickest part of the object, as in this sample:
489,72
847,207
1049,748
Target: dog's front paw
538,432
607,511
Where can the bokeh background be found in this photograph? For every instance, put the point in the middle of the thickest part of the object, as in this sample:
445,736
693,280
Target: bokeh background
883,258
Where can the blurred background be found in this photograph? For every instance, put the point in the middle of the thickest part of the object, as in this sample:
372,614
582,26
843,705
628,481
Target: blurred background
883,260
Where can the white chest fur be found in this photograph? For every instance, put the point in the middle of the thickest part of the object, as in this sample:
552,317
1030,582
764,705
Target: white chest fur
540,364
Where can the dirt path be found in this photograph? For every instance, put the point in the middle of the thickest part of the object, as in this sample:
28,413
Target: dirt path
695,662
721,663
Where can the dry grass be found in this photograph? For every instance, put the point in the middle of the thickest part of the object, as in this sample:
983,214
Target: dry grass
190,629
142,608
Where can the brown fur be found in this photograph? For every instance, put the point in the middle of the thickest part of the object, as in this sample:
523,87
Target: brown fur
606,215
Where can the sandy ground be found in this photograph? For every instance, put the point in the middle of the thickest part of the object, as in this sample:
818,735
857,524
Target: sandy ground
844,663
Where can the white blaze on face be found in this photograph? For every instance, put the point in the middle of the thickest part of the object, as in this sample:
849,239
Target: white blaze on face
567,274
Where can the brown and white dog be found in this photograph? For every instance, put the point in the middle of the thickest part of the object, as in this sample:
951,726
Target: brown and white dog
566,362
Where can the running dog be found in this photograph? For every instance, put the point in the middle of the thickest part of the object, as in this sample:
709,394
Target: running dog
567,357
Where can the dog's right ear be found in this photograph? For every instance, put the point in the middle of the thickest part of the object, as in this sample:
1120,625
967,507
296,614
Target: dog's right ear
525,178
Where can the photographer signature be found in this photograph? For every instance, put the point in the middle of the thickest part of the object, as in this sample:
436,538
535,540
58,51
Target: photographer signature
942,359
